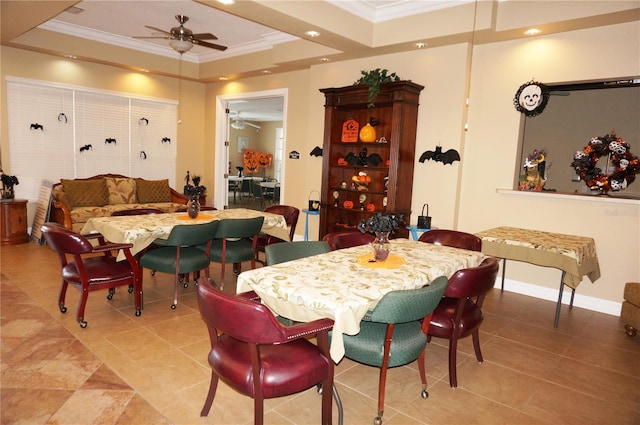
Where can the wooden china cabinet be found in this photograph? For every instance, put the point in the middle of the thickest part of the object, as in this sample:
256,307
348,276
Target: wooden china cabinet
362,178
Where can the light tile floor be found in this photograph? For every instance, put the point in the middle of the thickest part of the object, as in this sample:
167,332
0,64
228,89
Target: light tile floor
152,369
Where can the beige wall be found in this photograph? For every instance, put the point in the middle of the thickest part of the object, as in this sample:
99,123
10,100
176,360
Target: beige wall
463,195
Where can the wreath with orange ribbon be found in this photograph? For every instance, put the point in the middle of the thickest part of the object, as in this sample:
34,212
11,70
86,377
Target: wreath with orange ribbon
625,164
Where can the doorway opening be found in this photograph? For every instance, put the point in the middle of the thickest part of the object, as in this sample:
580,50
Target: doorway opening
255,120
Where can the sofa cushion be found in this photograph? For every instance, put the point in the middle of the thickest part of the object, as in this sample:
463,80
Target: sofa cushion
152,191
86,193
122,190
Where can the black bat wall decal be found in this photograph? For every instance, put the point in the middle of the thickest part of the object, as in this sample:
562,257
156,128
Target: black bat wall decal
445,157
110,140
166,140
36,126
86,148
317,151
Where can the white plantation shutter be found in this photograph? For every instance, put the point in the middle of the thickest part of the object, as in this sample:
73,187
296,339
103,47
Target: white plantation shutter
91,117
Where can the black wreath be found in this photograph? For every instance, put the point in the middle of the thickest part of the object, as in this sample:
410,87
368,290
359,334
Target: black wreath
625,164
543,101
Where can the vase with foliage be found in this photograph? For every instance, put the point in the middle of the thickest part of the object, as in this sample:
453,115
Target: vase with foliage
381,225
373,80
194,191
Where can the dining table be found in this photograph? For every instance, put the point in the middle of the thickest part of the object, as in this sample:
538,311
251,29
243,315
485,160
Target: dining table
142,230
345,284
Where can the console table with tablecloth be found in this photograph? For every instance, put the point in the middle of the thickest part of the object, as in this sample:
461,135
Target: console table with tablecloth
574,255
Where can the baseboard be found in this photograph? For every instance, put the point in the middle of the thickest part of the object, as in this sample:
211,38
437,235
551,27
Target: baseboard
549,294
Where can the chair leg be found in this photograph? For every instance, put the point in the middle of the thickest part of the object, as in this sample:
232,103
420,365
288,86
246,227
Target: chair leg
82,303
476,345
258,411
327,400
62,295
453,349
213,385
423,375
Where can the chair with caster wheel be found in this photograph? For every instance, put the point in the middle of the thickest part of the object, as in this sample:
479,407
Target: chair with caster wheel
257,356
459,314
86,271
179,253
235,242
394,333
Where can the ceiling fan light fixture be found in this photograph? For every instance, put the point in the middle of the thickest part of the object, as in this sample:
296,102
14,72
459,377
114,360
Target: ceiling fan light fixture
181,46
238,125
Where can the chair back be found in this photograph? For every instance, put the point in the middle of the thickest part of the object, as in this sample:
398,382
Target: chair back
240,318
287,251
239,227
408,305
452,238
290,215
474,281
256,189
340,240
192,234
65,241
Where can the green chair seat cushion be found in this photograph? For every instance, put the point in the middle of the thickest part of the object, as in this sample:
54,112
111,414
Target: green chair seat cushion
368,345
164,260
237,251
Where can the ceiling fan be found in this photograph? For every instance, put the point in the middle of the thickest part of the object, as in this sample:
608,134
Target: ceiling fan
240,124
183,39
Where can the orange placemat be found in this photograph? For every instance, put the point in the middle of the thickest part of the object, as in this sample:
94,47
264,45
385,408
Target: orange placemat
198,217
391,262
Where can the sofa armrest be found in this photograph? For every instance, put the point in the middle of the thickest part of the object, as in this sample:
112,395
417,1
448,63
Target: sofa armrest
60,214
178,198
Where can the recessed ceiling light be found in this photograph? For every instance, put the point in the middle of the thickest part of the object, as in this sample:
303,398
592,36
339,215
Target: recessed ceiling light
70,56
266,71
226,1
421,45
532,31
324,60
223,78
313,34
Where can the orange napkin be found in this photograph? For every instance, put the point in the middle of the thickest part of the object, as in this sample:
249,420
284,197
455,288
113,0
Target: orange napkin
391,262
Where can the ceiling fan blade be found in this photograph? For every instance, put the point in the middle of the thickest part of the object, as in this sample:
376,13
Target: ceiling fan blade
211,45
153,37
250,124
204,36
157,30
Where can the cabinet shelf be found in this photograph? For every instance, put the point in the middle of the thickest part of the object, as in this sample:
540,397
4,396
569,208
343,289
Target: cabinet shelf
396,111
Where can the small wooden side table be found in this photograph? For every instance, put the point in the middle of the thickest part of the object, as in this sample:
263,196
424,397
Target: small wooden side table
13,219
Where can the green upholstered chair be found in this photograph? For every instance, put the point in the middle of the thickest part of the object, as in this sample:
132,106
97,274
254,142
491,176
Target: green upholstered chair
287,251
235,242
179,253
395,333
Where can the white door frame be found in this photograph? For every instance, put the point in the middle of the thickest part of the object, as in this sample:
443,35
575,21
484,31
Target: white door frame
222,120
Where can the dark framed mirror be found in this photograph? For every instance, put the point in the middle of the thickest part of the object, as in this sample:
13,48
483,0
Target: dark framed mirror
574,115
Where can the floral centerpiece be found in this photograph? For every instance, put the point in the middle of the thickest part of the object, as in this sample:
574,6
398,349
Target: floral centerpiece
194,191
381,224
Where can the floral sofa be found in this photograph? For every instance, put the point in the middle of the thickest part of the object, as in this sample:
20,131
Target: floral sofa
75,201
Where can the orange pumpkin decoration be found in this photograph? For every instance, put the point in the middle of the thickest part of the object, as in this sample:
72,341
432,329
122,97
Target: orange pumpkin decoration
341,161
348,204
371,207
368,133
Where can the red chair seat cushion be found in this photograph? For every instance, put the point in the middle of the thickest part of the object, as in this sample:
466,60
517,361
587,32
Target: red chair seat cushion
100,270
441,320
231,361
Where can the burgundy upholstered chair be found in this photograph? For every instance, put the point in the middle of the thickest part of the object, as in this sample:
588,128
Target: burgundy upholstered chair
452,238
86,271
340,240
459,313
257,356
290,215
